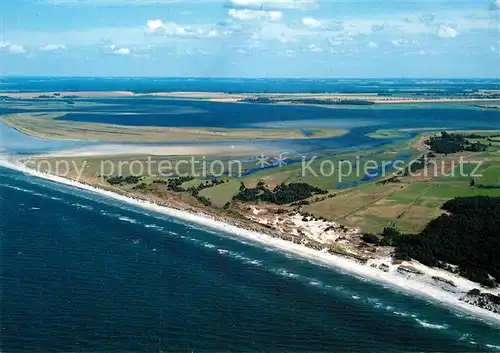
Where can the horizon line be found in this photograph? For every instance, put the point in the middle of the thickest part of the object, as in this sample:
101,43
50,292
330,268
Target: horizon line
258,78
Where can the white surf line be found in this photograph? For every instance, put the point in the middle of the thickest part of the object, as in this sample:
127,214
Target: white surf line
406,284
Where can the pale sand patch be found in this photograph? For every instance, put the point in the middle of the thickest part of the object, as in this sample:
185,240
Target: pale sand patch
374,97
165,150
29,95
200,95
224,100
235,97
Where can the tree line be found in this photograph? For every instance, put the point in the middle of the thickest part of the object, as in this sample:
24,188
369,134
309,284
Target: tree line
280,195
467,236
452,143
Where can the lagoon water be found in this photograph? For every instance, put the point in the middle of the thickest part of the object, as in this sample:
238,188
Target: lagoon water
84,273
147,111
359,121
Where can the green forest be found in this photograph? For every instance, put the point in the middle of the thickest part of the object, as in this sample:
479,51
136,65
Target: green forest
467,236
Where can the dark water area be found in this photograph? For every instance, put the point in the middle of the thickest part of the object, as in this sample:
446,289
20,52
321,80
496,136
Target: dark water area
5,111
233,115
81,273
359,121
242,85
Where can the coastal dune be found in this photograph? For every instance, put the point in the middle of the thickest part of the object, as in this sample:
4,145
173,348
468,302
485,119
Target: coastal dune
392,275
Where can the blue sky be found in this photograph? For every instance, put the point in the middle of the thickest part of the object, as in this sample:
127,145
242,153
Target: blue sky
251,38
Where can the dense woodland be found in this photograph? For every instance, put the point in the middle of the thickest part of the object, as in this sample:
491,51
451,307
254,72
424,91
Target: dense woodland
452,143
119,180
282,194
467,236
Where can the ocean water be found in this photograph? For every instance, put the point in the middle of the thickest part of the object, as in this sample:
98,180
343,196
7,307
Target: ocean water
236,85
80,272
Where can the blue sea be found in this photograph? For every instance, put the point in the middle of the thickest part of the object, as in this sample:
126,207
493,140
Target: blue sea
81,272
239,85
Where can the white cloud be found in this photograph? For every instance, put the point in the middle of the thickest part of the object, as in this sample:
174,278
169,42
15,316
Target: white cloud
249,15
212,33
268,4
194,52
422,52
314,48
311,23
172,29
122,51
276,31
398,42
114,49
154,25
427,52
168,28
52,48
405,43
107,2
17,49
447,32
276,4
373,45
12,48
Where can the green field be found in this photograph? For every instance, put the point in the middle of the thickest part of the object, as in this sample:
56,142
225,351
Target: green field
490,177
223,193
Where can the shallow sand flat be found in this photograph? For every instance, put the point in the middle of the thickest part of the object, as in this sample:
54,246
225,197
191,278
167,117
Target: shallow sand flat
195,95
46,125
235,97
93,94
165,150
431,100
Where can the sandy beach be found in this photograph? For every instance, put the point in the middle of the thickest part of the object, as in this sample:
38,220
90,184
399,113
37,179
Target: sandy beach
421,285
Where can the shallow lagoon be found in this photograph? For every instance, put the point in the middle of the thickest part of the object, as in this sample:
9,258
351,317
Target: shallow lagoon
151,111
360,121
160,112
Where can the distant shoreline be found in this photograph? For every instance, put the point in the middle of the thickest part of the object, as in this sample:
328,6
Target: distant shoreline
224,97
392,274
